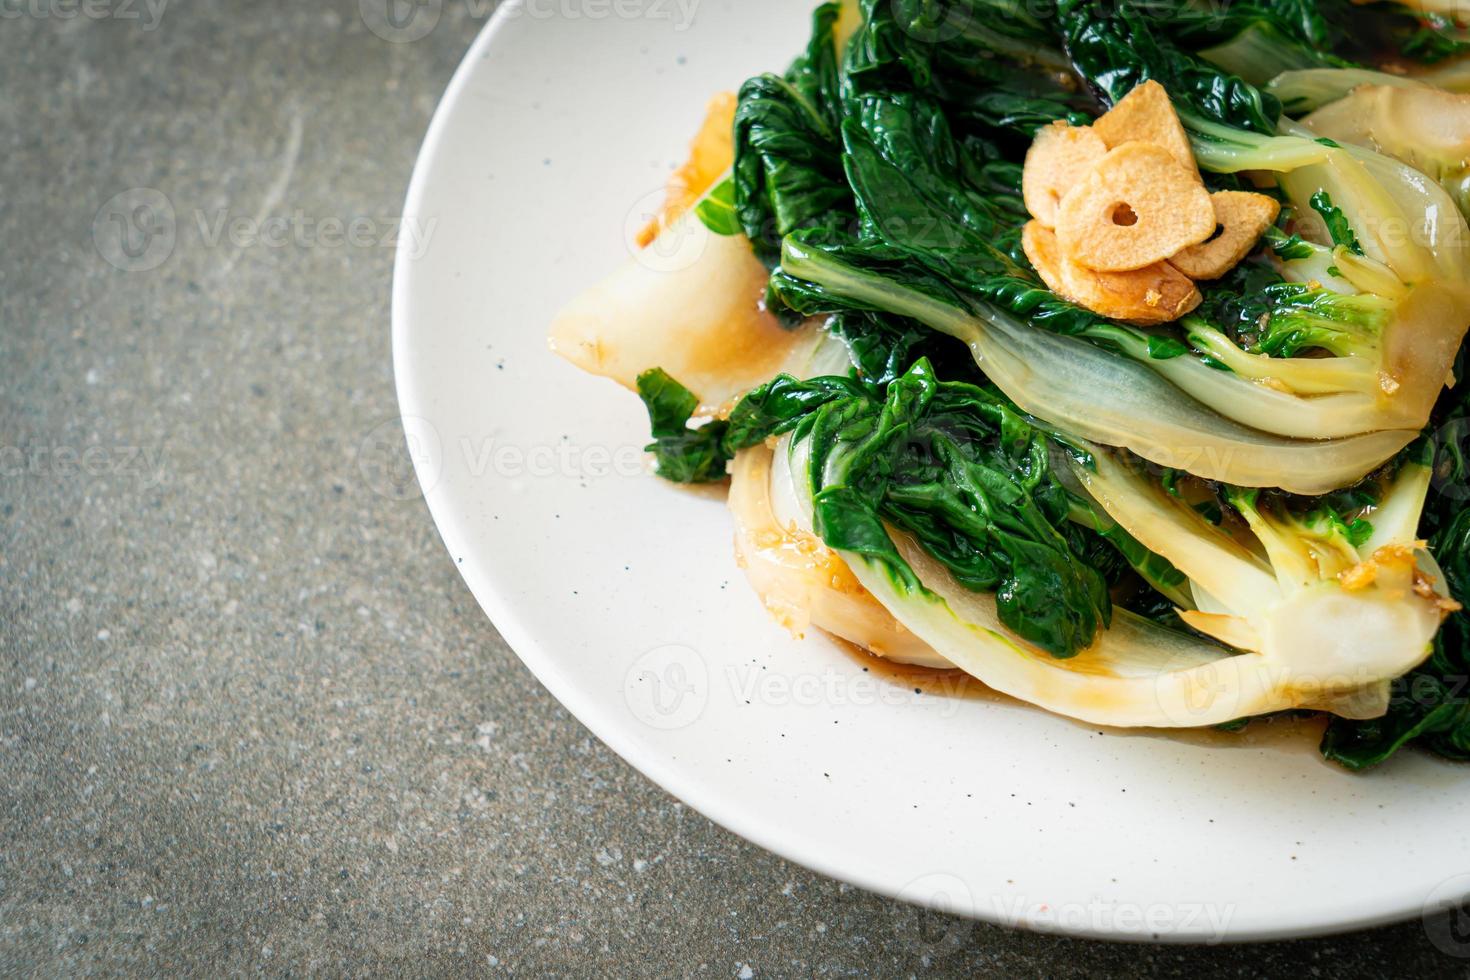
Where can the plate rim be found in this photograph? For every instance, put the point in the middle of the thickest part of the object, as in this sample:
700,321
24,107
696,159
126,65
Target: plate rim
665,774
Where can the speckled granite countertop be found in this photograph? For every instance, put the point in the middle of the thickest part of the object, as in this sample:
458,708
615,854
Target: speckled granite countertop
251,718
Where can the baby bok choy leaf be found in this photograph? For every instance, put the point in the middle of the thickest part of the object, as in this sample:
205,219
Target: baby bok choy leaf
961,471
1115,47
788,170
682,454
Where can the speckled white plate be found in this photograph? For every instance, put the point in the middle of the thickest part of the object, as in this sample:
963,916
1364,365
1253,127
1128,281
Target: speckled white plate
621,593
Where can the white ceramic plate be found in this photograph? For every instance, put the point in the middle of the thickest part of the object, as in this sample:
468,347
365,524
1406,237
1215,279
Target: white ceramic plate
621,593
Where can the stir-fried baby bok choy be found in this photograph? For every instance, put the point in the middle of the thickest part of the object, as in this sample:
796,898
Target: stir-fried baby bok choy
1096,350
945,505
933,205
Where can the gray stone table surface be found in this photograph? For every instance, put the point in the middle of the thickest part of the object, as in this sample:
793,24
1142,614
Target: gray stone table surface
250,718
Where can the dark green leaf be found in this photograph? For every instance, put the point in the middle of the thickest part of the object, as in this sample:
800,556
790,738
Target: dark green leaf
788,170
1287,247
682,454
1338,225
1115,47
1163,348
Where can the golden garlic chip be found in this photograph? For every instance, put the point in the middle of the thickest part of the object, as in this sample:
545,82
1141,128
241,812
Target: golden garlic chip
1145,115
1138,207
1155,294
1040,245
1059,158
1240,217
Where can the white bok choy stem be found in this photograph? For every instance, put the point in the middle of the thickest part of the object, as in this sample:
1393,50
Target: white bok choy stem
800,580
688,303
1112,399
1416,263
1424,127
1304,89
1305,597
